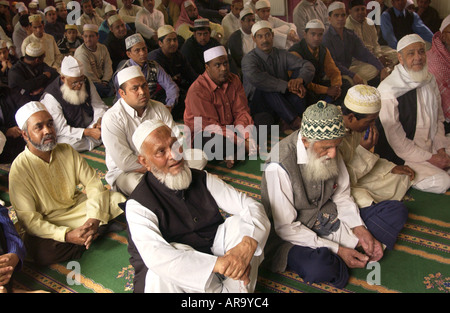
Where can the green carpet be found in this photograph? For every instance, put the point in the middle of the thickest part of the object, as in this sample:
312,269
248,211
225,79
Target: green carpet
419,263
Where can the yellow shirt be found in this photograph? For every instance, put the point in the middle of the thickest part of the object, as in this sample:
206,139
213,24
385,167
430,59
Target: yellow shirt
47,196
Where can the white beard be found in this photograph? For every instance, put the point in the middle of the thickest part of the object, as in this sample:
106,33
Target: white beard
418,76
320,169
180,181
75,97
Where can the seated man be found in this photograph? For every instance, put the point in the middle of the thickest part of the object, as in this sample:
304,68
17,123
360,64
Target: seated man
119,124
61,11
285,34
428,15
327,83
96,61
221,255
161,86
372,179
411,119
188,15
169,57
439,65
397,22
31,75
231,21
71,41
52,57
75,106
201,40
128,12
21,31
115,41
319,231
148,20
218,98
270,89
104,28
354,60
89,15
366,30
307,10
60,220
241,41
52,25
7,61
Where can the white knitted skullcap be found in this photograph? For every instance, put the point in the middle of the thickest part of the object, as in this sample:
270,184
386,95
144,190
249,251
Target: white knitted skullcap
165,30
408,40
130,41
336,5
213,53
188,3
114,18
71,67
34,49
128,73
32,4
244,12
145,129
262,4
315,23
445,23
90,27
109,7
49,8
28,109
363,99
259,25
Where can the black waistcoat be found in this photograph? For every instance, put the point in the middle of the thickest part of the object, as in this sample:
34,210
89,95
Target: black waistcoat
302,49
402,25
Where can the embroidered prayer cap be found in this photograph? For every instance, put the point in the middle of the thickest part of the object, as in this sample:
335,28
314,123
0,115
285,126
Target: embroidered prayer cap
244,12
335,6
130,41
201,23
145,129
49,8
213,53
165,30
322,121
260,25
188,3
262,4
363,99
90,27
35,18
109,7
34,49
128,73
70,26
28,109
408,40
71,67
315,23
445,23
114,18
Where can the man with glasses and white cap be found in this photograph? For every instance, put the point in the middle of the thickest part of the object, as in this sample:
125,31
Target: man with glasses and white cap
60,220
271,91
119,123
411,119
161,86
75,106
175,224
218,98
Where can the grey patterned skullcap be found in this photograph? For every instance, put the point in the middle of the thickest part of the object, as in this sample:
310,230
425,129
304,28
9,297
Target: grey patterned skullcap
322,121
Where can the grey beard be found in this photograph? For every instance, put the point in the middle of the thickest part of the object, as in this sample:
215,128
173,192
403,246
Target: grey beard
418,76
75,97
180,181
320,169
44,147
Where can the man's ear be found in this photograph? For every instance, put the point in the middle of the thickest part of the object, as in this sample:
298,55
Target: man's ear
142,161
305,142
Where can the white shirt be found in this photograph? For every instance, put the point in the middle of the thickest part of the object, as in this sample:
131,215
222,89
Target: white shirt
230,24
281,30
284,214
192,269
118,126
147,23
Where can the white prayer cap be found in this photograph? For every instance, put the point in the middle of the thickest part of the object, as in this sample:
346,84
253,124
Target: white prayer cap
188,3
3,44
49,8
19,4
114,18
5,3
143,130
22,8
35,18
336,5
259,25
109,7
165,30
363,99
213,53
34,49
32,4
262,4
445,23
244,12
71,67
90,27
408,40
315,23
128,73
130,41
28,109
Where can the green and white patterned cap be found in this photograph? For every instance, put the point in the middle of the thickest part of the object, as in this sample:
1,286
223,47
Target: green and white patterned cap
322,121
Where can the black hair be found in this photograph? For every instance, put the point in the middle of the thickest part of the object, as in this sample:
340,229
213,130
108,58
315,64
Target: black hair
347,111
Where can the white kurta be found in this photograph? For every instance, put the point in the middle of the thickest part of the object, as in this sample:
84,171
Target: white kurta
74,135
168,262
147,23
53,56
281,197
230,24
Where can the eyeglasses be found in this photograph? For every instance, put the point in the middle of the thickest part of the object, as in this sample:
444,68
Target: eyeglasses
78,83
